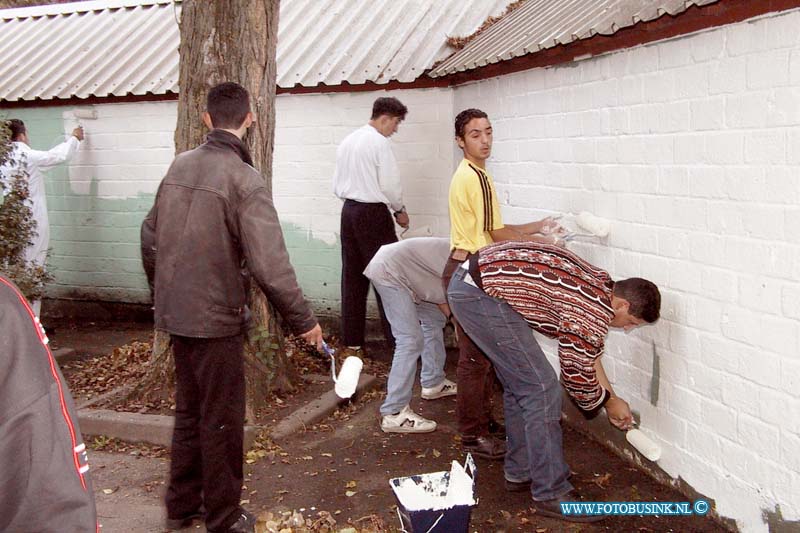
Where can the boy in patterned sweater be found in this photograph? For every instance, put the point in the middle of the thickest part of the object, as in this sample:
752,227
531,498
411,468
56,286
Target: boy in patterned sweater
506,289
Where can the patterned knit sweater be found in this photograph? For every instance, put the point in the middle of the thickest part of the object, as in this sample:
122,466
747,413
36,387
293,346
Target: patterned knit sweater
561,296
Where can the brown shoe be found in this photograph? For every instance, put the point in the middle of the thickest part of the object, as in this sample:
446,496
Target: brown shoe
484,447
552,509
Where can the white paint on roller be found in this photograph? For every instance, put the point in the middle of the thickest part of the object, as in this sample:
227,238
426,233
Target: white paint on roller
84,114
595,225
644,444
583,225
347,381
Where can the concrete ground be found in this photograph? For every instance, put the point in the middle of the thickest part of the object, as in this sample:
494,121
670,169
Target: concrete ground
343,463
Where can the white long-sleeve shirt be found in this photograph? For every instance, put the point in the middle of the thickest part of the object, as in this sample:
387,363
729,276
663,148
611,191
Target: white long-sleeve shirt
366,170
34,162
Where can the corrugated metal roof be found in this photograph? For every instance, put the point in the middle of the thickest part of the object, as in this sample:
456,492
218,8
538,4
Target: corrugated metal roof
540,24
102,48
371,40
122,47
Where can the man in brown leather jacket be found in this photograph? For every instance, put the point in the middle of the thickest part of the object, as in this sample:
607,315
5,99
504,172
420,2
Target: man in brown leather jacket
213,224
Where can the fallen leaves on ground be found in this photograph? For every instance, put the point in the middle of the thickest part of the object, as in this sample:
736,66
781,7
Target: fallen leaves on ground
142,449
128,364
324,522
90,378
601,481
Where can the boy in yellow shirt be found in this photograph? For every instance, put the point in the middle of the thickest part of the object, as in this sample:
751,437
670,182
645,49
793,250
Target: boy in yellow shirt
475,221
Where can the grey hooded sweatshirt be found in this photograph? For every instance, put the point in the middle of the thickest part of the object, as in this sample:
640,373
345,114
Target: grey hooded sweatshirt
44,478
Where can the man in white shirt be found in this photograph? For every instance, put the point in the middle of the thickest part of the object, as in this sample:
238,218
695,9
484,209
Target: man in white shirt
368,181
32,162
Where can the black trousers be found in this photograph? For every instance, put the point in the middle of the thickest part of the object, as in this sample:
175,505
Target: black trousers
365,228
206,465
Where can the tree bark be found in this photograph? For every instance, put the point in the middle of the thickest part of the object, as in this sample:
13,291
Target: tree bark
234,41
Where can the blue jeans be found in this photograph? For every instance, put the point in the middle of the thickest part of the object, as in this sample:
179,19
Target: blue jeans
418,331
532,396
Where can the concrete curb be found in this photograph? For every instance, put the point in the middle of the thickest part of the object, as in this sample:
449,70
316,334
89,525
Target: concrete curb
137,427
157,429
63,355
318,409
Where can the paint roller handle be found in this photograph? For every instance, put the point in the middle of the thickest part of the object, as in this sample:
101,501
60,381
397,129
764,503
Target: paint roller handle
619,413
330,351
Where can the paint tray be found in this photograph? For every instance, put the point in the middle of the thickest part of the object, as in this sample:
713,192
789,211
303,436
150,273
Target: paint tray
438,502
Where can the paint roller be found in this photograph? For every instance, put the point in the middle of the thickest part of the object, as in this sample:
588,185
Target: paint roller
588,225
643,444
83,113
346,382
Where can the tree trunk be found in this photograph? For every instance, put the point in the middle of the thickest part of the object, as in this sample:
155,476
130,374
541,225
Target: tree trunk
234,41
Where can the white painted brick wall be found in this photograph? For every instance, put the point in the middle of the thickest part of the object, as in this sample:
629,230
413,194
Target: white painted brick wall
310,127
308,130
129,147
96,212
691,147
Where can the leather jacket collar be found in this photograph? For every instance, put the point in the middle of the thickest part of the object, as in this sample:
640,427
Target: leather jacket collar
222,139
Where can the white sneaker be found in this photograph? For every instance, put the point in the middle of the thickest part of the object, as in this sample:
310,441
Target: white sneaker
445,388
407,421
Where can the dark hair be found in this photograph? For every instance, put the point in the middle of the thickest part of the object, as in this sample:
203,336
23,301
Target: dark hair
16,127
464,117
228,104
643,297
388,106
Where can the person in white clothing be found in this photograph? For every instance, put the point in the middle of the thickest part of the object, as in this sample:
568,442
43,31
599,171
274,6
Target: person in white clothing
368,181
26,160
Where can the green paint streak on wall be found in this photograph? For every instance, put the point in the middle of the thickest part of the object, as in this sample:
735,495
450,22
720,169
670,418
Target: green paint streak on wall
318,266
94,241
95,251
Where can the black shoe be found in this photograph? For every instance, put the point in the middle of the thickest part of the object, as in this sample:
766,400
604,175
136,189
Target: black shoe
245,524
552,508
518,486
173,524
496,429
484,447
